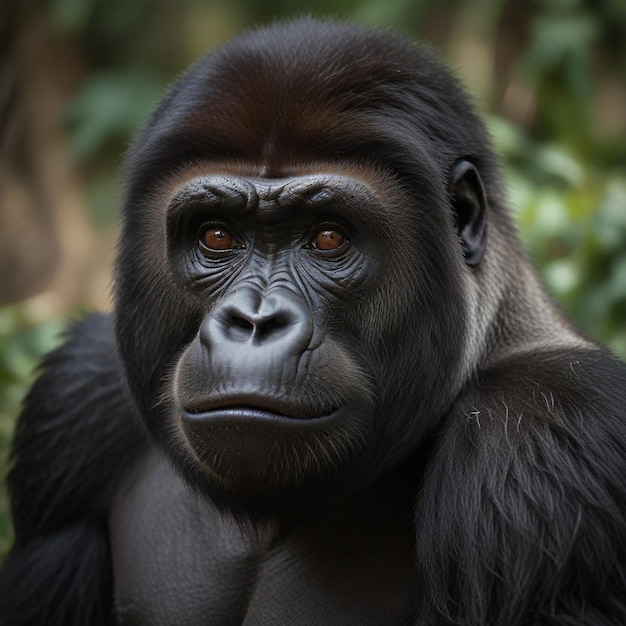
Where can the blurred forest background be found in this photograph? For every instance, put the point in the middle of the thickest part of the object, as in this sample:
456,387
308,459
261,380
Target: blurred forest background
78,77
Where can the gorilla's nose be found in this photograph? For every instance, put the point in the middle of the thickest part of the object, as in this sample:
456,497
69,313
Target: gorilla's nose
247,318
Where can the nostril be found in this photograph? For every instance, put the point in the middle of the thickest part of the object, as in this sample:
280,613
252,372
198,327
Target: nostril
236,321
271,326
238,327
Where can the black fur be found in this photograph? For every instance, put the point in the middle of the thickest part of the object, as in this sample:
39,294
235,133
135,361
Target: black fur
405,429
523,507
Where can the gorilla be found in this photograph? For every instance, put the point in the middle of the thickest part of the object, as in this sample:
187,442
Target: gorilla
333,391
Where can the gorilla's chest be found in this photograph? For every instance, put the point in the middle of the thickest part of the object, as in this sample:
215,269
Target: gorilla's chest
176,561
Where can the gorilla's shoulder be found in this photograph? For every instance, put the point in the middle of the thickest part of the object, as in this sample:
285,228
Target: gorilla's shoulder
76,417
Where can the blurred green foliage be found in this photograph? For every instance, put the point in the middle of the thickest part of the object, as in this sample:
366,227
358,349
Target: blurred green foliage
566,175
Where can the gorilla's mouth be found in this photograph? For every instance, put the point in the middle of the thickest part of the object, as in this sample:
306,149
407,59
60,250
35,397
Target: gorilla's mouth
256,408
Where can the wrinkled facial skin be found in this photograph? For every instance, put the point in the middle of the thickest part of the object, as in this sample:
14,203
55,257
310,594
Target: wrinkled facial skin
269,259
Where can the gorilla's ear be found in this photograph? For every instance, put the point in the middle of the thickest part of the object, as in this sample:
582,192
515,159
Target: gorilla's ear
469,203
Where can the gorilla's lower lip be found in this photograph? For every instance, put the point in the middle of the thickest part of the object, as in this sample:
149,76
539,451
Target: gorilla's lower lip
251,413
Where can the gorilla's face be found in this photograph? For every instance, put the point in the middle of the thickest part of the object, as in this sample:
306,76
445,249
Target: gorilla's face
274,389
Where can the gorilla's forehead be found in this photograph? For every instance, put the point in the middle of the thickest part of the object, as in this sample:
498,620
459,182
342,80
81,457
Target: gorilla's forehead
305,101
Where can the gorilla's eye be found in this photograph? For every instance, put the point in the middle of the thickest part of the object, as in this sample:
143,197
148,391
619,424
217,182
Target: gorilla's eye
218,238
328,239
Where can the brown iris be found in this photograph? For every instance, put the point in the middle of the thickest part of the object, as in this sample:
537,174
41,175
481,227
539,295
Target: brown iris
328,239
217,238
